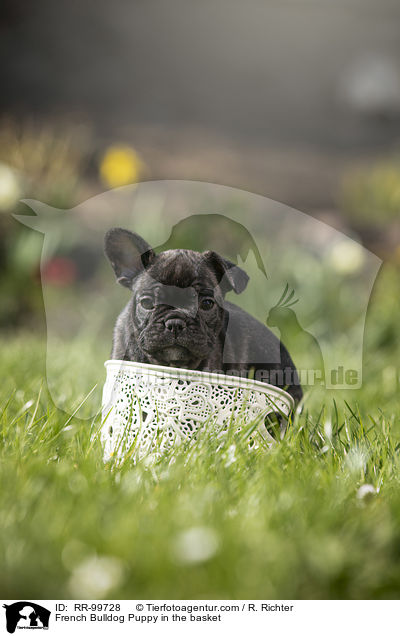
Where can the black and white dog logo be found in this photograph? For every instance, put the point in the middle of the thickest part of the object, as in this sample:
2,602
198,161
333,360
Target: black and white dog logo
26,615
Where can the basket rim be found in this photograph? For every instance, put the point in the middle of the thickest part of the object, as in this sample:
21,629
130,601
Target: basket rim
212,378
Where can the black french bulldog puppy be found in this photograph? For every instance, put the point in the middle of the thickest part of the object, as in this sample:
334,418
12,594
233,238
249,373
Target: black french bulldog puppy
177,315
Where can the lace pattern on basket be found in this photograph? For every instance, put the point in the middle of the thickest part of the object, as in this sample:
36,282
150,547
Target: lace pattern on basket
151,413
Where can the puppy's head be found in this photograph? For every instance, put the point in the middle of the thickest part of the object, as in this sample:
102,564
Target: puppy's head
177,306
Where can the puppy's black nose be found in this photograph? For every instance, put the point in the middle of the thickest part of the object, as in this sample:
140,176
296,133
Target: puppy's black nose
175,325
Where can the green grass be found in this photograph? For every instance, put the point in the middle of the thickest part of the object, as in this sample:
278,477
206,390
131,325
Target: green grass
215,520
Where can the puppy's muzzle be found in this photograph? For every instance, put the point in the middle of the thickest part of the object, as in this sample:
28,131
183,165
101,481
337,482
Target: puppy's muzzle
175,325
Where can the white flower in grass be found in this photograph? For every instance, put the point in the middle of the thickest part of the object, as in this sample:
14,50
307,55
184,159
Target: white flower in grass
346,257
230,455
96,576
328,429
149,461
195,545
366,491
356,460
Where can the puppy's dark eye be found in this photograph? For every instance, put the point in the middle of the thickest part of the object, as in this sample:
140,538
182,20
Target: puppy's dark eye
147,303
207,303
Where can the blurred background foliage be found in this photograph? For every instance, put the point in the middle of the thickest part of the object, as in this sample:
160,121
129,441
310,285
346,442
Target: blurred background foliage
59,166
62,167
372,196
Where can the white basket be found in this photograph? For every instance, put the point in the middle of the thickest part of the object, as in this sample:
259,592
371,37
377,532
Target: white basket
148,408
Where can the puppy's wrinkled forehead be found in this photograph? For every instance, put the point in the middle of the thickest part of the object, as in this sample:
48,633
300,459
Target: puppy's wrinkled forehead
181,268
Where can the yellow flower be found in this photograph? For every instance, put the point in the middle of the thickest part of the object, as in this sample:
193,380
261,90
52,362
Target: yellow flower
10,190
120,166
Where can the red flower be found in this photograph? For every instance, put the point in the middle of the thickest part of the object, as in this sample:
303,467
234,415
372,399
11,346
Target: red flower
59,271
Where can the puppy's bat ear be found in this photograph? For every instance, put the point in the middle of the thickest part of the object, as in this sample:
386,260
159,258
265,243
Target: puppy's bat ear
229,276
128,254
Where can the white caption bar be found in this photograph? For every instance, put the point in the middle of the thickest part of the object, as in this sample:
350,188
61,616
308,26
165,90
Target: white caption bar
168,617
